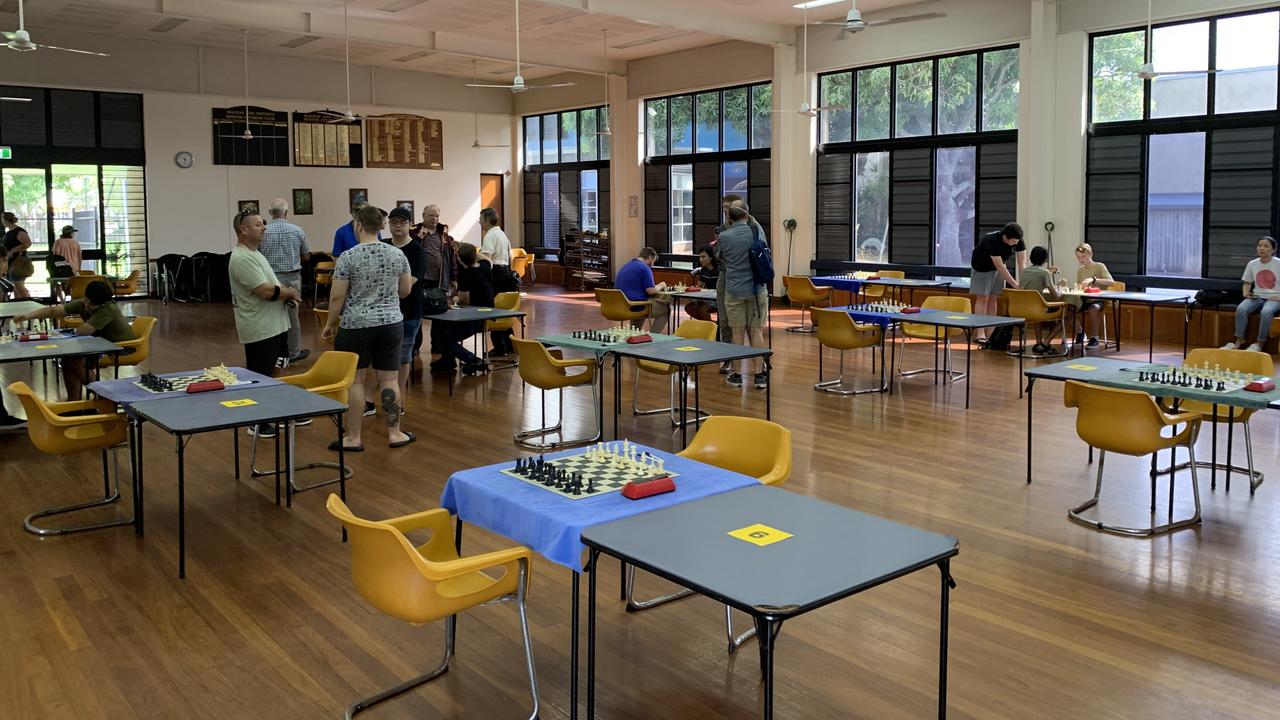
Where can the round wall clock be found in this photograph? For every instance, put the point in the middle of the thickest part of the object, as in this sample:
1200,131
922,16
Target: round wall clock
184,159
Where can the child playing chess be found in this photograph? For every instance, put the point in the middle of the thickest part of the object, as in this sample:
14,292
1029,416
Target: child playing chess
102,318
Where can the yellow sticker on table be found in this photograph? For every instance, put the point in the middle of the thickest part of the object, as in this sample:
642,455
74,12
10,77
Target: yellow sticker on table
239,403
760,534
46,347
1078,366
689,348
484,309
957,317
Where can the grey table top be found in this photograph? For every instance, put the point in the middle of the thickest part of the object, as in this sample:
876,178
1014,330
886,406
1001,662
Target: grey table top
833,551
79,346
18,307
691,352
206,412
467,314
943,318
1123,374
694,294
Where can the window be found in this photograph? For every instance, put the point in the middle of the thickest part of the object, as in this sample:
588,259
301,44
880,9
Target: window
1000,90
836,91
682,209
124,205
1246,60
532,142
708,106
656,126
733,179
682,125
550,139
1180,54
605,140
913,100
551,210
24,196
958,94
954,206
735,119
587,134
761,115
873,103
871,207
1117,89
590,200
568,137
1175,204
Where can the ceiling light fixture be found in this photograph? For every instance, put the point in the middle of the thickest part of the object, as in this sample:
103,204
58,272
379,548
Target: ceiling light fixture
814,4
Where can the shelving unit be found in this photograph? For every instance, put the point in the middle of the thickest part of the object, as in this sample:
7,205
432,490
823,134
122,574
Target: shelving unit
586,260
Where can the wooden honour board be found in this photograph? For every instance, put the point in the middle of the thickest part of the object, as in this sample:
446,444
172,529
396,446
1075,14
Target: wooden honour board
317,142
404,141
270,143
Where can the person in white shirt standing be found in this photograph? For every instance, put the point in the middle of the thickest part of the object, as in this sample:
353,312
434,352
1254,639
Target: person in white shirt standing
1260,294
285,247
496,248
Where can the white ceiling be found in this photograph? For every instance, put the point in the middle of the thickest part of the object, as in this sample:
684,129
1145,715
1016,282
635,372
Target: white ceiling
448,37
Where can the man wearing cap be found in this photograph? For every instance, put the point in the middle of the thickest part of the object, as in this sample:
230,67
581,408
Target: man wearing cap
284,245
67,248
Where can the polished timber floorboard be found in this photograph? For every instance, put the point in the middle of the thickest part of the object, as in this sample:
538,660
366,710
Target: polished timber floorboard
1050,620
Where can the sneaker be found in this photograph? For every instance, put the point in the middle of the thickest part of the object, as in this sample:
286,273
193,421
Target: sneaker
1093,342
1230,346
10,423
263,431
734,379
726,368
1256,347
370,409
303,422
1038,349
762,380
475,367
299,356
1079,338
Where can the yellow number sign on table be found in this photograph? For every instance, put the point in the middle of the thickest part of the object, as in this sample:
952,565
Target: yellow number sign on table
760,534
243,402
46,347
689,348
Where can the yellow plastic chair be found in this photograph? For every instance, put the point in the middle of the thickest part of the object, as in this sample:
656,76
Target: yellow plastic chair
1031,306
542,370
838,330
330,376
958,304
322,317
871,291
801,291
321,274
1251,362
52,431
689,330
750,446
1130,422
503,301
520,262
77,284
127,285
431,582
615,306
138,349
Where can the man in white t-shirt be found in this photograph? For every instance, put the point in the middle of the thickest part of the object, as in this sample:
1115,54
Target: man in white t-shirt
1261,293
496,248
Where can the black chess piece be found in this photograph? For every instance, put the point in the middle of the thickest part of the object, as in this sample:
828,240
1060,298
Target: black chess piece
1222,387
591,486
576,488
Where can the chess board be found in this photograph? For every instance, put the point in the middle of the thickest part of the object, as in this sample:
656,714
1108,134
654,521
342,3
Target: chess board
885,308
1185,377
180,382
608,477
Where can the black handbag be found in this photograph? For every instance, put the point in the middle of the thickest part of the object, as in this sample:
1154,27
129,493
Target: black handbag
434,301
1214,298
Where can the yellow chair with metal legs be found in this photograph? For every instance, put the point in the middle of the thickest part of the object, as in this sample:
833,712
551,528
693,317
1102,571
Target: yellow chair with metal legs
77,284
503,301
521,260
750,446
1130,422
838,330
53,431
321,274
330,376
689,330
138,349
1250,362
127,285
431,582
941,303
801,291
616,307
546,372
1031,306
871,291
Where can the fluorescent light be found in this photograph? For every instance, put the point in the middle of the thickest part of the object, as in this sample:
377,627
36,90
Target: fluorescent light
815,3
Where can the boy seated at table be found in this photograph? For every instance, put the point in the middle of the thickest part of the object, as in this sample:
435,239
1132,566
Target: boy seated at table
1039,277
102,318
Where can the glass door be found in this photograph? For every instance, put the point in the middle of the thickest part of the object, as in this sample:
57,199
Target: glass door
74,200
25,194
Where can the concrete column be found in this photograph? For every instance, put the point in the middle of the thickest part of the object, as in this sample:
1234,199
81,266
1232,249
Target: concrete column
1037,119
626,173
1071,114
792,181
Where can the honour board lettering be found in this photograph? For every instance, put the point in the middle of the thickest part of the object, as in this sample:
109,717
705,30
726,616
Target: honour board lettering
318,141
268,144
404,141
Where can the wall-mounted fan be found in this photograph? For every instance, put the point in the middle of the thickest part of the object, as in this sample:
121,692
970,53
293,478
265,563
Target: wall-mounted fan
348,116
518,85
20,40
853,22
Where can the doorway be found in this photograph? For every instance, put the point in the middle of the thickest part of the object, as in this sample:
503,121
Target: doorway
491,195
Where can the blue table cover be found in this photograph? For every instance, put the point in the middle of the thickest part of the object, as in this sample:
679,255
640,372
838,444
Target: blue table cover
125,391
552,525
838,283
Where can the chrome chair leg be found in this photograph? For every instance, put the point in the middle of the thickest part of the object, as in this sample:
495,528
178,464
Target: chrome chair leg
362,705
837,386
254,471
802,327
634,605
1255,476
671,410
110,494
525,438
740,640
1074,513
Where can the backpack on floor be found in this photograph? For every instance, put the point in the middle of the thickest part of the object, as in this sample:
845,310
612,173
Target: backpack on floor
1000,338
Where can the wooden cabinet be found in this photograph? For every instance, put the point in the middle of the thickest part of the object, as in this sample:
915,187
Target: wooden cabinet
587,261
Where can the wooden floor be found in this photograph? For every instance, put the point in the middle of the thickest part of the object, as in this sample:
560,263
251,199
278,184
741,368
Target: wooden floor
1050,620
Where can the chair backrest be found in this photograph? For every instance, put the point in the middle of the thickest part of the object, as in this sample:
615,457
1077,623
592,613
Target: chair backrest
323,272
759,448
893,274
388,571
504,301
57,435
78,284
1246,361
837,329
141,342
127,285
539,368
941,303
800,288
615,306
331,375
689,330
1122,421
1028,304
1116,285
520,261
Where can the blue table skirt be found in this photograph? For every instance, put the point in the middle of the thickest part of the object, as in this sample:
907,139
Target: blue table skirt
875,318
552,525
838,283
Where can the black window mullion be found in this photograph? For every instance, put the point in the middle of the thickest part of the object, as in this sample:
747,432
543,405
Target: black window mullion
1211,84
934,92
893,101
980,89
1208,183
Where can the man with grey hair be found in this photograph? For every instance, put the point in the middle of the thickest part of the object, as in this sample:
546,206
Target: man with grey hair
495,247
746,303
285,247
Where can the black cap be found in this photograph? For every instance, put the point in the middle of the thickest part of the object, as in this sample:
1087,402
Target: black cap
400,213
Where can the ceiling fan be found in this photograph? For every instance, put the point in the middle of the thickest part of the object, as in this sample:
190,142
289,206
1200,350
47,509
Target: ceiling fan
518,84
20,40
853,22
1148,71
807,108
248,134
348,116
606,130
475,114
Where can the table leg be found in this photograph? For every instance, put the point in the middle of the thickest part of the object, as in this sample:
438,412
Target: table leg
1188,308
235,449
1230,433
139,502
766,634
591,634
1030,386
277,454
935,358
1151,331
288,462
697,400
1213,451
768,393
893,356
617,392
968,364
684,406
948,583
182,510
573,650
1118,311
1022,338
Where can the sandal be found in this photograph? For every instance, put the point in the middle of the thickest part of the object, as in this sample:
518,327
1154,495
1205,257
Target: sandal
334,445
402,443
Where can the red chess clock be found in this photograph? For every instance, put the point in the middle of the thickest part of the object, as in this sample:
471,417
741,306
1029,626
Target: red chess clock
1092,290
1261,385
637,489
909,310
637,339
206,386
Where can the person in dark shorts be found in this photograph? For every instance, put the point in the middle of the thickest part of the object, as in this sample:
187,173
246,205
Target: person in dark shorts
475,289
369,280
989,275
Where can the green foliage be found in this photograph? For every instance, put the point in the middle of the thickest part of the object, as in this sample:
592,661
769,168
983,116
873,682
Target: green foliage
1117,89
742,109
873,103
1000,86
958,94
913,96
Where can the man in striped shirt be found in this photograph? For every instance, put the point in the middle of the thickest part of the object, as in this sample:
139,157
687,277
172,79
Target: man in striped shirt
285,247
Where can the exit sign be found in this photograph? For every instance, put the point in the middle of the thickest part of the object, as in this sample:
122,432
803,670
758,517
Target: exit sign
6,153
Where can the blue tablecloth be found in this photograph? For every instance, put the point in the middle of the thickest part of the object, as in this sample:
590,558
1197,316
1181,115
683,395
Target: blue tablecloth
125,391
875,318
838,283
552,525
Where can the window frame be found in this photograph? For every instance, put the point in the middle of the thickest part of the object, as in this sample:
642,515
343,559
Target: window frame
559,164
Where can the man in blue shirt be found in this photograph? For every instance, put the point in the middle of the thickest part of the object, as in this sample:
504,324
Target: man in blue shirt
345,237
635,280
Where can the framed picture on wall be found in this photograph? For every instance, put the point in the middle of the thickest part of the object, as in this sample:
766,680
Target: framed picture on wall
302,201
356,195
248,206
407,205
